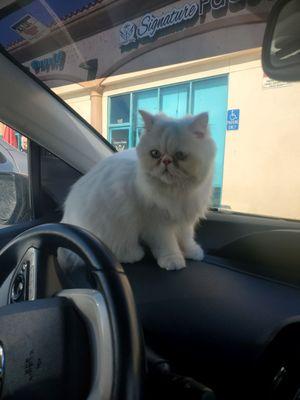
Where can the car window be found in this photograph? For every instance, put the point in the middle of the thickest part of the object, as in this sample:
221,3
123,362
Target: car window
107,60
14,185
57,177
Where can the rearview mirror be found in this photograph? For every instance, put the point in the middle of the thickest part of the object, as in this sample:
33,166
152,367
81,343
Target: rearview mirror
14,198
281,46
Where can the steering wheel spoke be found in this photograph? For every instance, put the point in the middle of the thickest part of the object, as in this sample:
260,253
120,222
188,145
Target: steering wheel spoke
92,308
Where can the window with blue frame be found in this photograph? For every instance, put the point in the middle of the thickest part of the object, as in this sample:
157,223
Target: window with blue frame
174,100
120,109
119,121
193,97
146,100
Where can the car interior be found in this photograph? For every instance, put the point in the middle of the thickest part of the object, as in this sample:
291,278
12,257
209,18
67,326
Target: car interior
224,328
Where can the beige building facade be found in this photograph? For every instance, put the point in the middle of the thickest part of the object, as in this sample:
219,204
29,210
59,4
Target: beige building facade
261,158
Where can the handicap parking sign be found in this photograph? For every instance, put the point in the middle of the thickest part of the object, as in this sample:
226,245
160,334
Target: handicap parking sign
233,120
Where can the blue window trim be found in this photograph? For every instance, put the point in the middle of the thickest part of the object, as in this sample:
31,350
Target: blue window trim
123,127
129,124
170,84
131,135
190,102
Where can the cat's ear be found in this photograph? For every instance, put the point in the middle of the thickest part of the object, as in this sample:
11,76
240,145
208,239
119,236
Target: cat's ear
199,125
147,118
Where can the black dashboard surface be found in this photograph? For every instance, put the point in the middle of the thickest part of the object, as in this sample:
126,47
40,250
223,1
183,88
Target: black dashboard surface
221,325
232,325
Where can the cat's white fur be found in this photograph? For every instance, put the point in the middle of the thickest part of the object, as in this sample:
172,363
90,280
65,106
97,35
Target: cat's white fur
131,198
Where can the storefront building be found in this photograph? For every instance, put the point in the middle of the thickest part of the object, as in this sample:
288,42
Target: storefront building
183,58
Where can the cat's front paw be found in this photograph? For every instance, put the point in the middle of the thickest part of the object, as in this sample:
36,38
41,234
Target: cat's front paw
172,262
131,255
195,252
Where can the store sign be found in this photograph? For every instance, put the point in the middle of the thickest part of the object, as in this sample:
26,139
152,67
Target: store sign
206,5
64,66
151,24
54,63
120,144
30,28
269,83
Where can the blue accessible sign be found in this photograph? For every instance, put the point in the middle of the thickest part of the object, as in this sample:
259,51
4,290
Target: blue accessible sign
233,120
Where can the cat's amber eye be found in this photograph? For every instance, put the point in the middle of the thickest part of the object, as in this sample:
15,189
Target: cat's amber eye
180,156
155,153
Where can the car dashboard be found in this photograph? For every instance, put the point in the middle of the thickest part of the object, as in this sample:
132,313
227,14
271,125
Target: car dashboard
231,322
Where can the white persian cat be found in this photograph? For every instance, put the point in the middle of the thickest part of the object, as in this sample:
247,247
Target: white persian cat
153,194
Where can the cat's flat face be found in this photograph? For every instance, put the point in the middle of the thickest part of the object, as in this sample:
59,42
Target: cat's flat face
176,151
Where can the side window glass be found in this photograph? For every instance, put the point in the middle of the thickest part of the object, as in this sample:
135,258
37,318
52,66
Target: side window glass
57,177
14,185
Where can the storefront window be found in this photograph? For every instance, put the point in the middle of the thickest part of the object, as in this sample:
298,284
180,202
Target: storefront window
174,100
146,100
212,95
120,138
120,109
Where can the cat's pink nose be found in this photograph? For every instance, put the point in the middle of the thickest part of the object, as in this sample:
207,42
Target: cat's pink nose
166,161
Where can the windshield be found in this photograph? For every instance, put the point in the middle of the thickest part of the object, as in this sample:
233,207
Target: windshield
109,59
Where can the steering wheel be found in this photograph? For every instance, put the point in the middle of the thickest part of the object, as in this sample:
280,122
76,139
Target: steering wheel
81,343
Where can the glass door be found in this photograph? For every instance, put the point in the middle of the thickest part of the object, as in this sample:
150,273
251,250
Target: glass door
211,95
174,100
120,121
